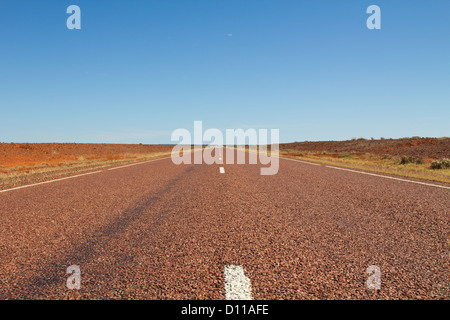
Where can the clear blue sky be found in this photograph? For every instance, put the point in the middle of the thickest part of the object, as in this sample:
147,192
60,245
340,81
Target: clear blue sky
137,70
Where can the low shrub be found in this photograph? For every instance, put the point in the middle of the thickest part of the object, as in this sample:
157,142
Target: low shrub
406,160
440,164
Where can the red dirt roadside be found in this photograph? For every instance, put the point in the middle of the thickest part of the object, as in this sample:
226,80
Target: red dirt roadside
28,163
28,154
426,148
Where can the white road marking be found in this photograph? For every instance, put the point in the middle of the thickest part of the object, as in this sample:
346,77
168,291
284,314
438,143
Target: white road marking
76,176
237,285
371,174
387,177
135,164
50,181
222,170
314,164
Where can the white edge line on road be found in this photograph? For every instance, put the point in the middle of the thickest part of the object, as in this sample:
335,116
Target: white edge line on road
388,177
76,176
135,164
50,181
371,174
311,163
367,173
237,285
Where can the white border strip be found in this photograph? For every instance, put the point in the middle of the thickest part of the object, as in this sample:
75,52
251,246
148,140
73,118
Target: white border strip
135,164
370,174
388,177
237,285
50,181
79,175
311,163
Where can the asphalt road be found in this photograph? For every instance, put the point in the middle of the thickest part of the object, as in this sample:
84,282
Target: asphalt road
163,231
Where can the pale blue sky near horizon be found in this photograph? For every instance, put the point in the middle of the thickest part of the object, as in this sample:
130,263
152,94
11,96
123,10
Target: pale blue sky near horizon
137,70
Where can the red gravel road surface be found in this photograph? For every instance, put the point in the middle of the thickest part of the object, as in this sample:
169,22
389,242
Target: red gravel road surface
164,231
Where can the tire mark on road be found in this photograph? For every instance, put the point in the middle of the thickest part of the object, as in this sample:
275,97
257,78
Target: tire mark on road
52,273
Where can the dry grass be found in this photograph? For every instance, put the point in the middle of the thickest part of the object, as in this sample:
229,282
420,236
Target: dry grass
18,175
373,163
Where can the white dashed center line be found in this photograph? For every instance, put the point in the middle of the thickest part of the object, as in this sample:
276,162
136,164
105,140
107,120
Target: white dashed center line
222,170
237,285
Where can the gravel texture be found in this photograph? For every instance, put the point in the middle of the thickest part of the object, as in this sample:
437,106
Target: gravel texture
161,231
